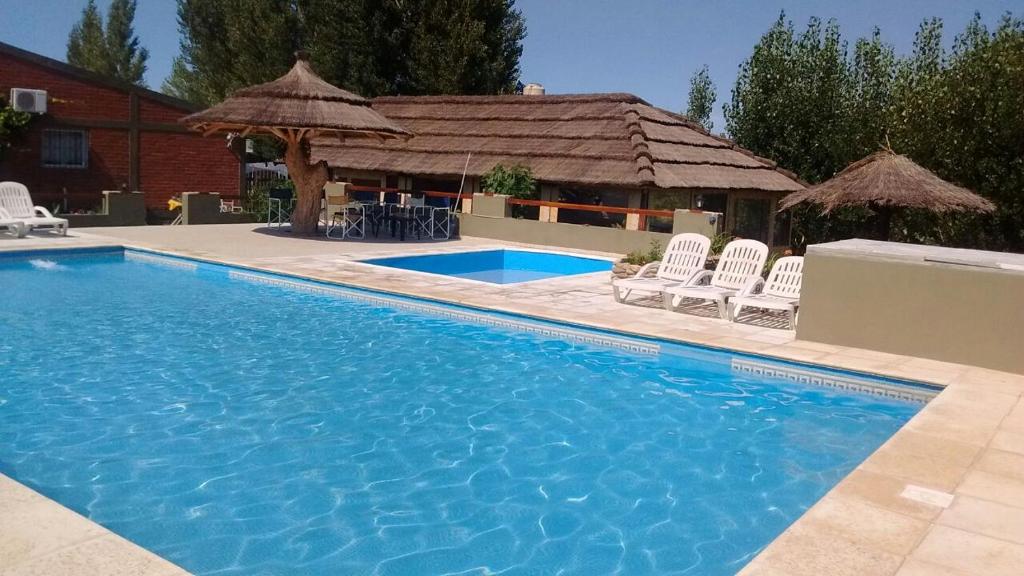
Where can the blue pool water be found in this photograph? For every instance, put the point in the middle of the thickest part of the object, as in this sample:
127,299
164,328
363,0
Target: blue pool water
239,427
498,266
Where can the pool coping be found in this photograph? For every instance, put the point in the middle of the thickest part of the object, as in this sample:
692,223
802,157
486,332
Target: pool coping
907,509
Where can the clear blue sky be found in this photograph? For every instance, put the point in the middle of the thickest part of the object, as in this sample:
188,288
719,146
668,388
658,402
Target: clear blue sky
647,47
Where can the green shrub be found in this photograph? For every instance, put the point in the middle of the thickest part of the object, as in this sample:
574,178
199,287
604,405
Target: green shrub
718,242
516,181
13,125
641,257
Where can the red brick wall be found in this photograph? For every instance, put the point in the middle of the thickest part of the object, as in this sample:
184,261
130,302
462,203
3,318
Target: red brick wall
68,97
176,163
169,162
153,111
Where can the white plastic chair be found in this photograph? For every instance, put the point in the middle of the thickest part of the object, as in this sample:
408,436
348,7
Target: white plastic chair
780,292
16,227
682,261
737,272
16,200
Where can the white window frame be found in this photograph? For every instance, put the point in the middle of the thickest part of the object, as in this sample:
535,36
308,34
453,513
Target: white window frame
85,148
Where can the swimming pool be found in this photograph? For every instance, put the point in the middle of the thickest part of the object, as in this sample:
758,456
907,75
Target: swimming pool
497,266
237,423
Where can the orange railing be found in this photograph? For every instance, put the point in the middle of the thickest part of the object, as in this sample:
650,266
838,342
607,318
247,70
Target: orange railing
644,213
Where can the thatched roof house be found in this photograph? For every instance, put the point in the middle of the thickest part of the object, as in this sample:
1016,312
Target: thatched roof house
590,139
612,149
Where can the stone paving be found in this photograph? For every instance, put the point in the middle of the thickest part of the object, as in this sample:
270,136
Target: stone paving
945,495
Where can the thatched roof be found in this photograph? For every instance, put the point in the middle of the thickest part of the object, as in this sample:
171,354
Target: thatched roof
889,179
584,139
299,100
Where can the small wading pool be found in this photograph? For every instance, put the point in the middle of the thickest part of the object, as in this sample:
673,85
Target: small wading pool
497,266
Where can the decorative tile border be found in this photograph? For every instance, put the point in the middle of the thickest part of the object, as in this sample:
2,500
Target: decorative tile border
579,336
881,388
58,252
160,260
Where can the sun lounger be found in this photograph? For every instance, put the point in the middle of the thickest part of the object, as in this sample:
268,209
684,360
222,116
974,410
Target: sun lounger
780,292
15,199
11,225
683,260
737,272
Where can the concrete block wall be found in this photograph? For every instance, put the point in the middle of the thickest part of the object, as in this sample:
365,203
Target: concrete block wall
967,314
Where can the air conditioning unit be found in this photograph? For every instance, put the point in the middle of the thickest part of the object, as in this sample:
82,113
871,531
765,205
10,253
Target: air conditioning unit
26,100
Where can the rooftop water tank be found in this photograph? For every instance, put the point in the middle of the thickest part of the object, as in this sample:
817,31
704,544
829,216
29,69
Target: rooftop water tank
533,89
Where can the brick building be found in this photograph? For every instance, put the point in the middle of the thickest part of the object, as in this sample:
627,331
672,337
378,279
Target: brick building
102,134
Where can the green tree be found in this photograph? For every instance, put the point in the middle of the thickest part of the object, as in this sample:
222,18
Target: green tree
371,47
801,101
700,102
87,46
113,49
962,115
873,74
791,99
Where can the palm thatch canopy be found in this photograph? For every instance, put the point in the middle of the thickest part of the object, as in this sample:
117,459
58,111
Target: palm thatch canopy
298,101
296,108
888,180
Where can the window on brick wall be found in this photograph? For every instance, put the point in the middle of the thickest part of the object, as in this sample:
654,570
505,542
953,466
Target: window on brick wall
65,148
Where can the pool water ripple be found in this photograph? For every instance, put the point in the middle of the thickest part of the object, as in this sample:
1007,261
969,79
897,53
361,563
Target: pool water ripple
243,428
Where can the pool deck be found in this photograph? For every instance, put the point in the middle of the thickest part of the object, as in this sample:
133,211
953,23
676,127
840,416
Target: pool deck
944,496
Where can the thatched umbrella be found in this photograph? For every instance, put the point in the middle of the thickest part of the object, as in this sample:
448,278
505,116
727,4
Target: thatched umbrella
296,108
886,181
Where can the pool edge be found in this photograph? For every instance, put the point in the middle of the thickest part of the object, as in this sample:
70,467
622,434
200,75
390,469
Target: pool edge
810,545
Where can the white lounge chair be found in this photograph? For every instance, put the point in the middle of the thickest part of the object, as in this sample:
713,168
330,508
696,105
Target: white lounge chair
17,227
737,272
780,292
14,198
683,260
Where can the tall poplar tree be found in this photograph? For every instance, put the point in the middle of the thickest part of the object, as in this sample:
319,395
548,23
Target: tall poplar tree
700,102
802,102
87,46
114,49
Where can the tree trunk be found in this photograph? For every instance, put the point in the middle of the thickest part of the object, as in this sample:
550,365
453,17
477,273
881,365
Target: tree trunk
883,222
309,182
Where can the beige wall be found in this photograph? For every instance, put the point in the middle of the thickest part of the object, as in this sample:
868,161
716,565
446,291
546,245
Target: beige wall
706,223
614,240
954,313
491,218
119,209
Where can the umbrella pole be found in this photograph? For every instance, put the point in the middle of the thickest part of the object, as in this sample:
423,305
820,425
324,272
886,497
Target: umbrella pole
883,222
309,184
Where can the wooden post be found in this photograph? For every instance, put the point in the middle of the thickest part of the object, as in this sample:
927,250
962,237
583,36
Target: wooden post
633,220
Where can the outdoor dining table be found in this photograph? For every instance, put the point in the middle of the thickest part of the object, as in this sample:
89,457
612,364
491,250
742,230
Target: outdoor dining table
397,218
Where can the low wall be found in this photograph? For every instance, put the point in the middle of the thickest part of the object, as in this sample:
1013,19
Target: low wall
706,223
491,205
204,208
491,218
960,306
119,209
615,240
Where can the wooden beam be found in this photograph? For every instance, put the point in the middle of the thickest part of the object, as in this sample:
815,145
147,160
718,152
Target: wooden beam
134,159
